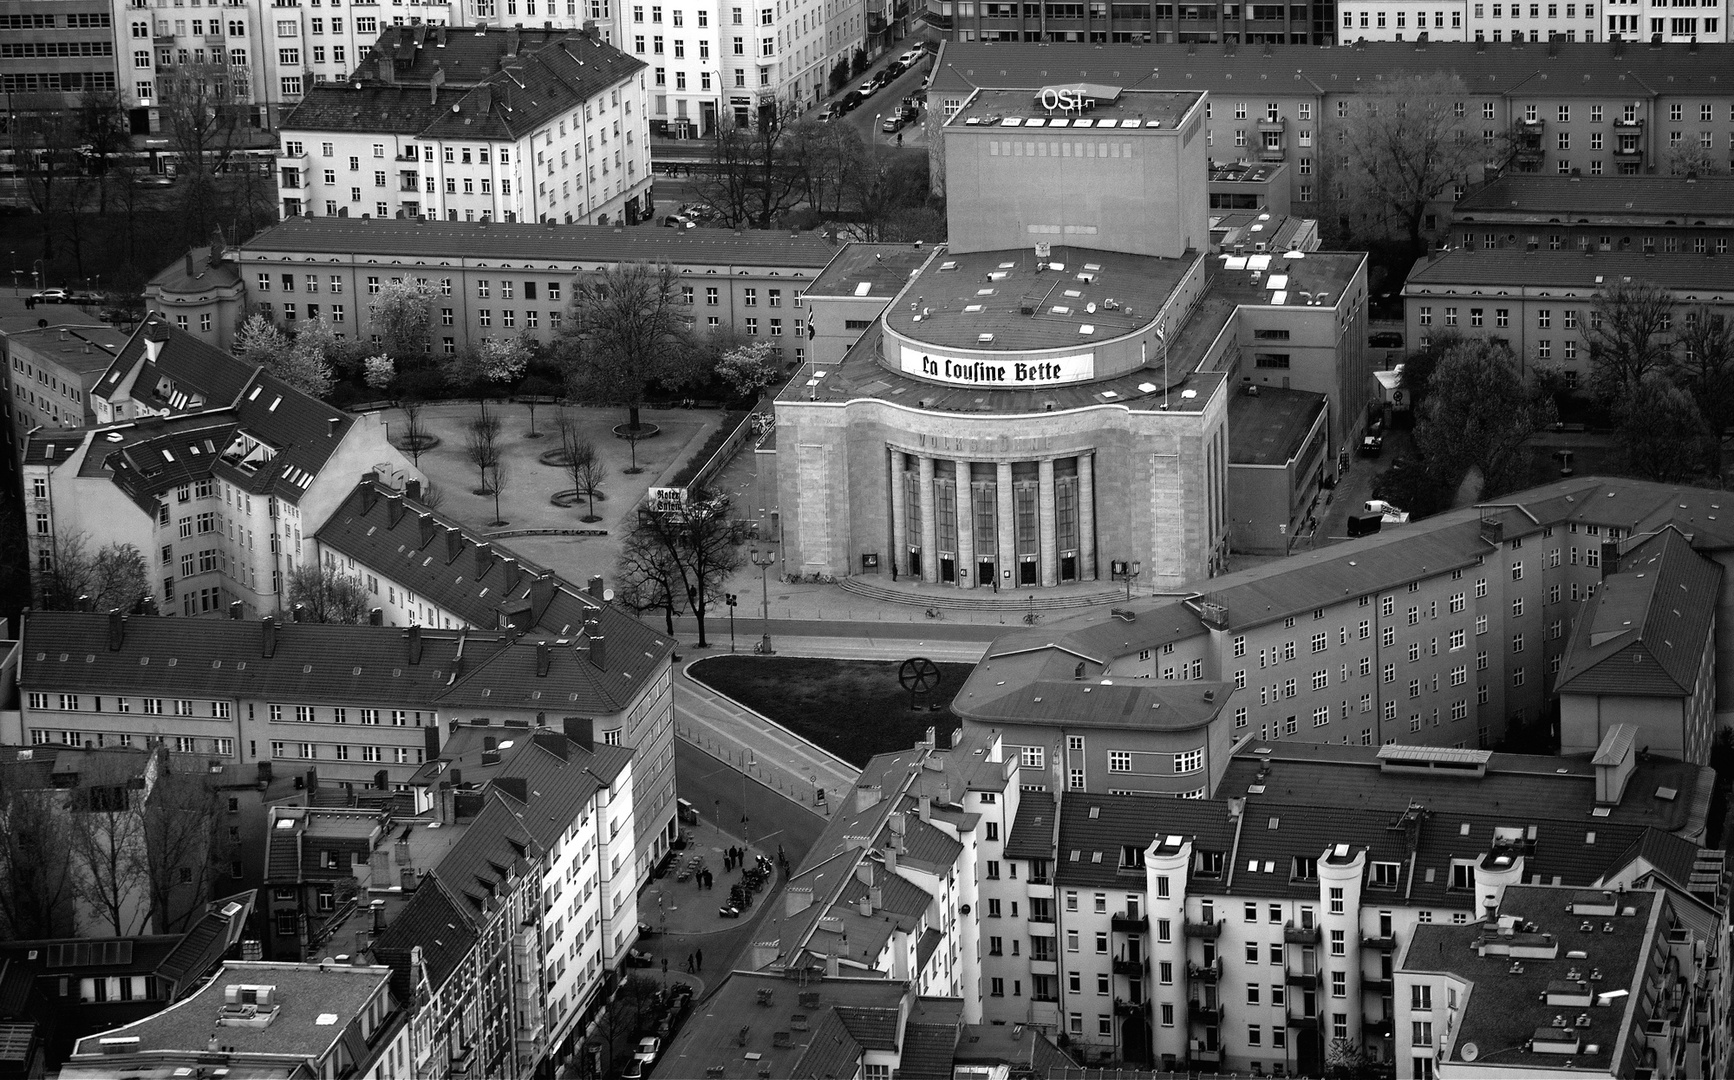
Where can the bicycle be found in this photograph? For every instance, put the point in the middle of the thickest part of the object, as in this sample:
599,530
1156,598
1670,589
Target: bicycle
935,613
1032,617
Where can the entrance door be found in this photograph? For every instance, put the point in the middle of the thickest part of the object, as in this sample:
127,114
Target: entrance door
1027,572
985,574
947,567
914,562
1068,568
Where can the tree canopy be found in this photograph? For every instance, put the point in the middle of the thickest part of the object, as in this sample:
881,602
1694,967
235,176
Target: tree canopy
1478,414
630,328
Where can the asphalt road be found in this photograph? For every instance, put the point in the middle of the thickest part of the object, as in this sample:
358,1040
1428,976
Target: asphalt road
719,792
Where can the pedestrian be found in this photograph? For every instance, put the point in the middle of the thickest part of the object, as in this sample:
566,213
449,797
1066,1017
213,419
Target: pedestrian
700,955
30,303
689,961
900,138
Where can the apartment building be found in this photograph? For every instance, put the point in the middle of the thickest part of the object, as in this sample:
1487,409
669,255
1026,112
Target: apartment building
1542,303
203,293
535,944
54,371
316,1019
891,887
466,125
421,569
1602,108
1651,215
1466,20
725,62
1248,931
1557,982
1448,632
509,279
54,52
212,468
1307,23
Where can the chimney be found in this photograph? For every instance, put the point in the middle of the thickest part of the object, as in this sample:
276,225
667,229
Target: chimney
412,489
866,797
235,609
430,739
386,69
925,805
513,573
513,38
864,873
515,786
428,528
541,594
484,99
579,729
454,544
116,629
268,638
890,854
377,910
796,900
830,965
484,556
369,494
189,262
393,509
332,423
155,333
594,587
555,743
435,81
375,617
544,658
413,635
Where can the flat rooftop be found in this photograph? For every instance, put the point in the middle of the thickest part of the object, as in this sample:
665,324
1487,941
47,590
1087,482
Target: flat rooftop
1269,428
305,996
736,1028
1079,297
1286,278
83,349
870,270
1586,200
1709,279
1142,111
1508,1005
1235,173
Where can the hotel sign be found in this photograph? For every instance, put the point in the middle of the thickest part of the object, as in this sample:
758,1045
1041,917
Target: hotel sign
1007,373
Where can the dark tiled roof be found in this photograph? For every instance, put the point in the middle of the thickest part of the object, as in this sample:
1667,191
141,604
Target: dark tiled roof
873,1028
1522,70
1646,627
435,921
181,450
1101,703
539,246
832,1051
174,278
926,947
486,95
1601,198
216,931
926,1051
1093,828
1032,833
185,365
1702,279
304,430
1673,857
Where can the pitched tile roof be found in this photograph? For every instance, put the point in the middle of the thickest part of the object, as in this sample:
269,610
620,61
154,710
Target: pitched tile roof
830,1051
564,247
1700,279
1671,856
927,1050
875,1028
1600,198
439,924
486,93
1521,70
213,934
1032,832
1646,628
303,430
185,368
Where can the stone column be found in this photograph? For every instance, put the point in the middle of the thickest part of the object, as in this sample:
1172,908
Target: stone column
899,542
965,528
1008,537
1086,517
929,522
1049,529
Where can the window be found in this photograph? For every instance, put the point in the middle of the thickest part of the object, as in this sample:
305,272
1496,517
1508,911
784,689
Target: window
1188,762
1119,761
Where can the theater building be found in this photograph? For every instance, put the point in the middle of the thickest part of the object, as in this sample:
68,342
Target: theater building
1049,393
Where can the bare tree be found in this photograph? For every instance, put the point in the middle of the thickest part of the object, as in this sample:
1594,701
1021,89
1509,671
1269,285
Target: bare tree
324,595
754,176
1703,366
883,186
36,872
52,175
107,833
650,579
1407,141
630,327
183,845
75,580
482,447
1628,335
498,486
414,432
700,540
579,456
203,109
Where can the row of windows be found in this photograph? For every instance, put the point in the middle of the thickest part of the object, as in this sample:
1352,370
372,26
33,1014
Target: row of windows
181,744
308,751
150,706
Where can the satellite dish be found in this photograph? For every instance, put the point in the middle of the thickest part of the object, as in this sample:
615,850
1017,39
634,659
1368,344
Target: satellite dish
1469,1051
1090,307
608,596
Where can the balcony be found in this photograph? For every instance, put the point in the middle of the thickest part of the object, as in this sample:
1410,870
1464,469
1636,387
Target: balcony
163,39
406,155
1528,152
1207,931
1301,935
1133,968
1206,973
1272,153
1200,1013
1377,985
1384,942
1303,980
1278,124
409,186
1135,924
1533,127
1130,1008
1303,1023
1212,1056
1629,125
1628,153
215,39
1379,1029
1044,966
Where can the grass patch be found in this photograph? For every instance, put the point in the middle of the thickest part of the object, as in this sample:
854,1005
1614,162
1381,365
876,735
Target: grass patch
853,708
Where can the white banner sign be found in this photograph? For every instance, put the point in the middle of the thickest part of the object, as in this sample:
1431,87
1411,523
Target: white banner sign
1049,371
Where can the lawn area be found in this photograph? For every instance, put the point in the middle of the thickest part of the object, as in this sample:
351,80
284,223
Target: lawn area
853,708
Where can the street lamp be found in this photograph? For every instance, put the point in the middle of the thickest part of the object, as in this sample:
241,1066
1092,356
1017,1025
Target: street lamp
729,599
763,561
1127,572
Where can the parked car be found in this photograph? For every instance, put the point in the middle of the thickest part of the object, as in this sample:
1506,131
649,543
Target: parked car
1372,445
867,88
635,958
649,1048
892,123
153,180
910,57
1385,339
50,296
634,1070
679,221
850,102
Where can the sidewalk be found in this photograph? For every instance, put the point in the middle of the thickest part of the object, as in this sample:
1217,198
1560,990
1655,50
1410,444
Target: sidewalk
680,909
